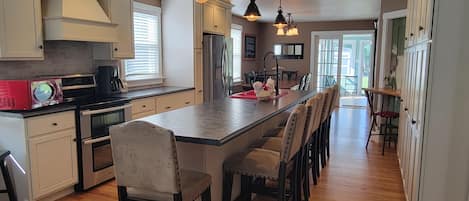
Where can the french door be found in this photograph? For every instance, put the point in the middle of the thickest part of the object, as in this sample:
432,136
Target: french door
343,58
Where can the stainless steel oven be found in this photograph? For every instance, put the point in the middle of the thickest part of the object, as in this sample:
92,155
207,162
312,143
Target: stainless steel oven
96,154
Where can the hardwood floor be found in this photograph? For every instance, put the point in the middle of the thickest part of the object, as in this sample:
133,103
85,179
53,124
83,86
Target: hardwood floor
352,173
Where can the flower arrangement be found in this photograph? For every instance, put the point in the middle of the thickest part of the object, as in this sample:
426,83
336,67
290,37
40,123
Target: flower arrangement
265,91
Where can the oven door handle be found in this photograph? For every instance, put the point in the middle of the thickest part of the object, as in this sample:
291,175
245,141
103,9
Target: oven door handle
87,142
91,112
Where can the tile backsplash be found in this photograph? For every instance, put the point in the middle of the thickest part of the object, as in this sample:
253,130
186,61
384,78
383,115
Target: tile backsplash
60,58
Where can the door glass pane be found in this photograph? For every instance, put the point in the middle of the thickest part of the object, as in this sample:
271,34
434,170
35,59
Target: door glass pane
356,63
328,61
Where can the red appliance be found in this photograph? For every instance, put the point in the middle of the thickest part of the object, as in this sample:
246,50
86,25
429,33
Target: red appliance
30,94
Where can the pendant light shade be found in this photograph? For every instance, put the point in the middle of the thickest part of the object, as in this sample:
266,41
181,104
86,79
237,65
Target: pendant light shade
201,1
280,21
252,12
280,32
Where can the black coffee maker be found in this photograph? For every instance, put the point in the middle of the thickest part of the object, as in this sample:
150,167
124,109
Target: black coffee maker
108,81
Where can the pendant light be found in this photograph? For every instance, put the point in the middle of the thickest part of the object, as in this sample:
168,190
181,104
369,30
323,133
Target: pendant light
292,29
252,12
280,21
201,1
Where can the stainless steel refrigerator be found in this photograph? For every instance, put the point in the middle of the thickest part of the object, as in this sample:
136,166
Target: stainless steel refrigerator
218,67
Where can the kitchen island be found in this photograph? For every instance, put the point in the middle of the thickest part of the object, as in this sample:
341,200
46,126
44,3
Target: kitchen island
209,133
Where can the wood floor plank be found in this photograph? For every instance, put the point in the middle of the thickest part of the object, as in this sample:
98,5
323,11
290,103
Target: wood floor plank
352,173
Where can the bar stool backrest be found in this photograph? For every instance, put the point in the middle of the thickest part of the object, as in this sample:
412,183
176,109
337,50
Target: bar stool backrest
293,133
335,98
312,115
145,157
317,114
327,104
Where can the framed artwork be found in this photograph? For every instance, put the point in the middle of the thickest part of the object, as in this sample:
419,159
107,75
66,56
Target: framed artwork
289,50
249,47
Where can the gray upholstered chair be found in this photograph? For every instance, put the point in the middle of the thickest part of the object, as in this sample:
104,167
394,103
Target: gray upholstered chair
147,168
264,163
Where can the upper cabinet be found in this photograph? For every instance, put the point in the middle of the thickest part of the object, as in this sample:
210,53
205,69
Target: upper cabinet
419,21
120,13
215,18
21,30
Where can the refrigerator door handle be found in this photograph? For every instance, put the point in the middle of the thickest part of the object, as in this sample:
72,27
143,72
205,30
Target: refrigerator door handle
223,68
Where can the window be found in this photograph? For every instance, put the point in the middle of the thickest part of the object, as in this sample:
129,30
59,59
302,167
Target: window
236,34
146,66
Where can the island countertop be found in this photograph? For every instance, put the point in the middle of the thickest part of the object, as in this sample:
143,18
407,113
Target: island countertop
221,121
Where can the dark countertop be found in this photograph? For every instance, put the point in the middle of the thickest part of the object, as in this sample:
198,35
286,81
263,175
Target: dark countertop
136,94
224,120
158,91
40,111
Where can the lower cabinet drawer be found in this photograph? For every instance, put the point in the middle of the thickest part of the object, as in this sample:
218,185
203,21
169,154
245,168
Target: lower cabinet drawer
50,123
174,101
143,105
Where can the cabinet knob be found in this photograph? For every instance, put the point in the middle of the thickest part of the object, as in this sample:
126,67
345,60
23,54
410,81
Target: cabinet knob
406,109
405,38
74,139
115,49
188,102
41,47
55,124
421,28
401,100
167,107
144,106
411,34
414,122
216,26
200,91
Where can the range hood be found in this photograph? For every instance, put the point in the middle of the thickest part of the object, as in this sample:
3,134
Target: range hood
78,20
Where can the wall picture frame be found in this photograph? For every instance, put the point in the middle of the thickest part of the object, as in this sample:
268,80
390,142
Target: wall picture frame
250,42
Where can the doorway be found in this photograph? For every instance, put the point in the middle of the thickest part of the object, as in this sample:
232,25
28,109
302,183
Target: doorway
345,58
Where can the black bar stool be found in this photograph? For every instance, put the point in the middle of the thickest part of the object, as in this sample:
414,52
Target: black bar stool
4,154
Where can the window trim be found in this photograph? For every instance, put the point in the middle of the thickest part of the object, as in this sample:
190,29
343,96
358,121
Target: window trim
240,28
158,79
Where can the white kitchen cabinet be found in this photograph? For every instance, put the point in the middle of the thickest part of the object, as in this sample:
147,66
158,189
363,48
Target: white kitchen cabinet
45,147
412,120
143,107
174,101
53,162
21,30
199,82
157,104
214,19
198,25
419,21
121,13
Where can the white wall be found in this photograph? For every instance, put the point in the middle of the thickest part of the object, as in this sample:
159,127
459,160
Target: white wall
178,42
446,140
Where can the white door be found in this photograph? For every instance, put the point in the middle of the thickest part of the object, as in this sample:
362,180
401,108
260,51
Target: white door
328,51
344,58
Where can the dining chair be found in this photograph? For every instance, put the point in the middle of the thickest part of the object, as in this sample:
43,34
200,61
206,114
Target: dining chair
267,164
6,174
146,165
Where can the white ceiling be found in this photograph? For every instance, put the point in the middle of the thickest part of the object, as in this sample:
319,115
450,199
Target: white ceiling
314,10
